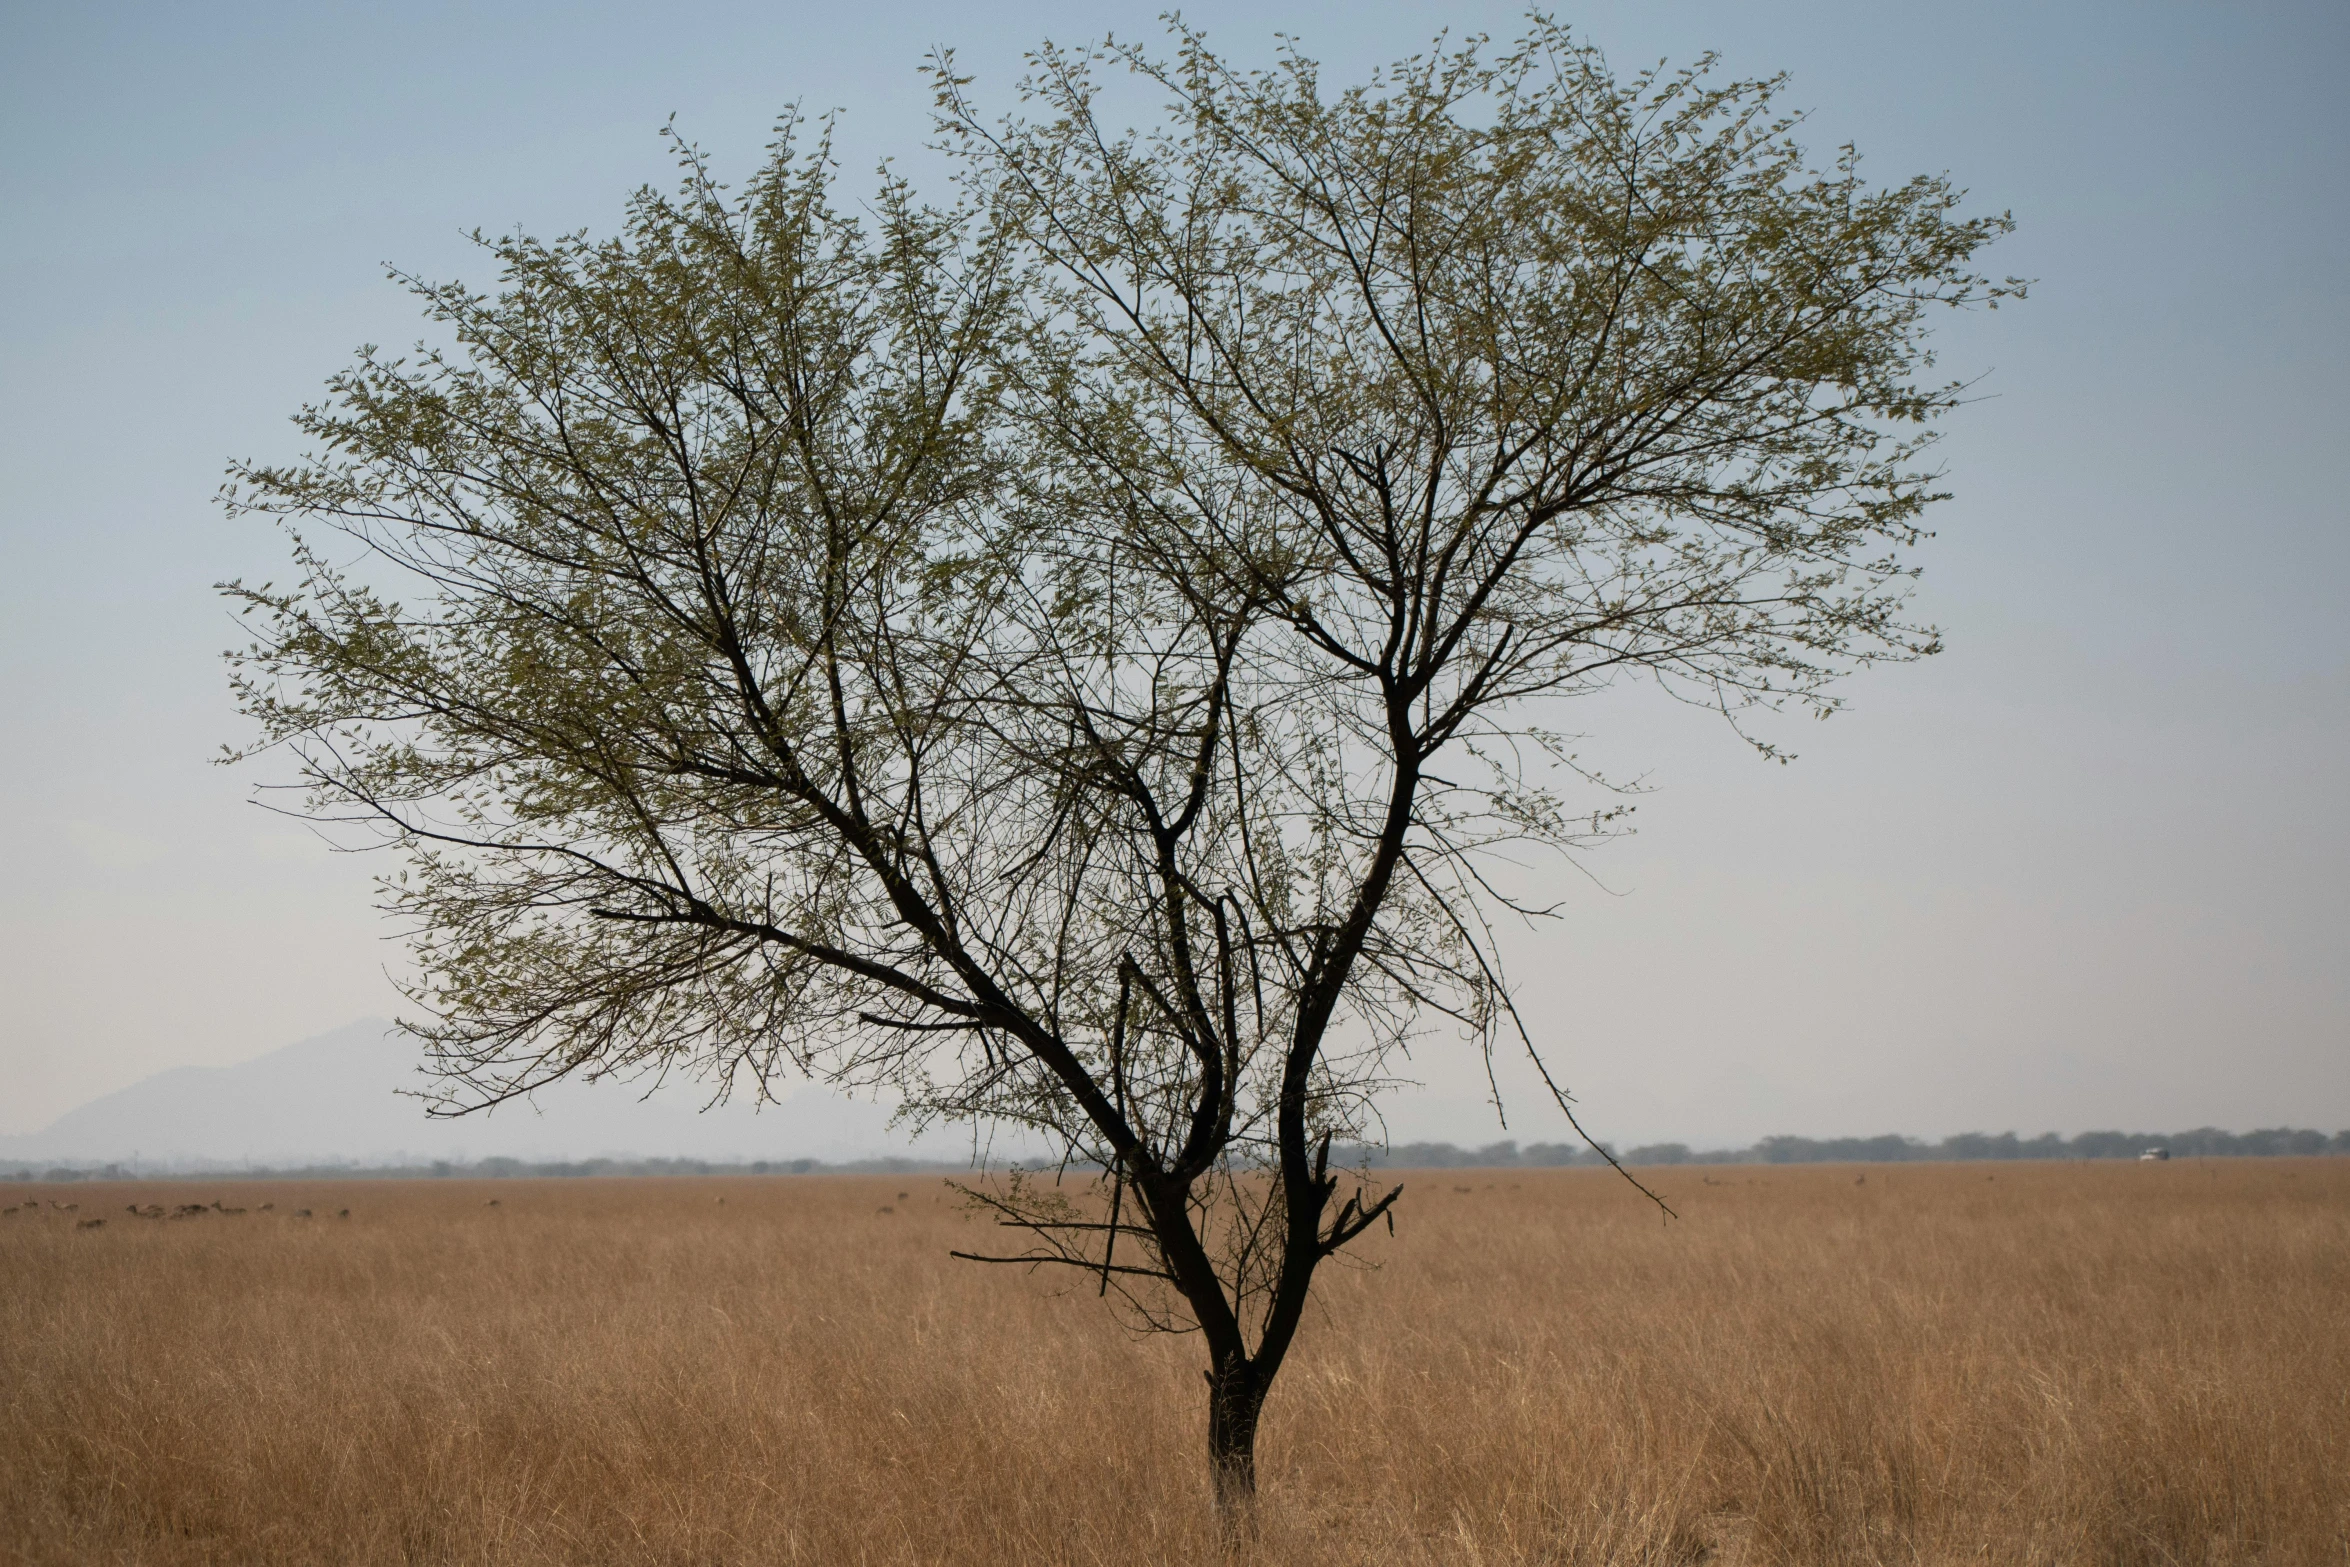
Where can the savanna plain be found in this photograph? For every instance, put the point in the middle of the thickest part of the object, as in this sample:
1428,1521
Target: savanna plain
2052,1363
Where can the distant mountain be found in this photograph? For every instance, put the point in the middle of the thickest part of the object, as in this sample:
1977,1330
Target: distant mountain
337,1098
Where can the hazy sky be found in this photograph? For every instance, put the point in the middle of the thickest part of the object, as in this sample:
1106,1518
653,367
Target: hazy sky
2089,868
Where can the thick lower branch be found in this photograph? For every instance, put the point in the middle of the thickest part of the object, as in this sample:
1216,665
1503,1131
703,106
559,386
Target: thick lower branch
1039,1259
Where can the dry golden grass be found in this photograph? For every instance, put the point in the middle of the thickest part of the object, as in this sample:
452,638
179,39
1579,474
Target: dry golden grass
2076,1364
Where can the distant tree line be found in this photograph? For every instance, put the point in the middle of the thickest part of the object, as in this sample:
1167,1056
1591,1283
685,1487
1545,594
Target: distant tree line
2206,1142
481,1169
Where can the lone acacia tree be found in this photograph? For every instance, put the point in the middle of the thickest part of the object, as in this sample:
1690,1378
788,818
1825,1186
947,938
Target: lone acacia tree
1066,655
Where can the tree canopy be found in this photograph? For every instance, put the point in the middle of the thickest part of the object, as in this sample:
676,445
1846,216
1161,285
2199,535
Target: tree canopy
1069,654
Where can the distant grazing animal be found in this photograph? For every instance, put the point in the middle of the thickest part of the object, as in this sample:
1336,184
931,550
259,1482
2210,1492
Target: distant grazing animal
89,1224
301,1213
342,1213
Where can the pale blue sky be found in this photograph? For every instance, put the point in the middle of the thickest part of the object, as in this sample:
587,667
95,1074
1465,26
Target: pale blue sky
2088,868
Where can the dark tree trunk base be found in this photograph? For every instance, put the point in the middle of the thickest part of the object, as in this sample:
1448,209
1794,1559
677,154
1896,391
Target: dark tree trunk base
1236,1397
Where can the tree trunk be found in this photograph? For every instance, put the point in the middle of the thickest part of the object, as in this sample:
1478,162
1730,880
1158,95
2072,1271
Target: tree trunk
1236,1396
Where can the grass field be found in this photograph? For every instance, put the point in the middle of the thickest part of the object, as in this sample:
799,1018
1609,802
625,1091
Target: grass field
2059,1363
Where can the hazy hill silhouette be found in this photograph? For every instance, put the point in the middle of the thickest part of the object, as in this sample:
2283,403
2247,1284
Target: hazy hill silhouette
338,1097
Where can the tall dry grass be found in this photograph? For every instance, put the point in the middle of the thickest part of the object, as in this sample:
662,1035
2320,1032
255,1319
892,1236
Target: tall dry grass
2076,1364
